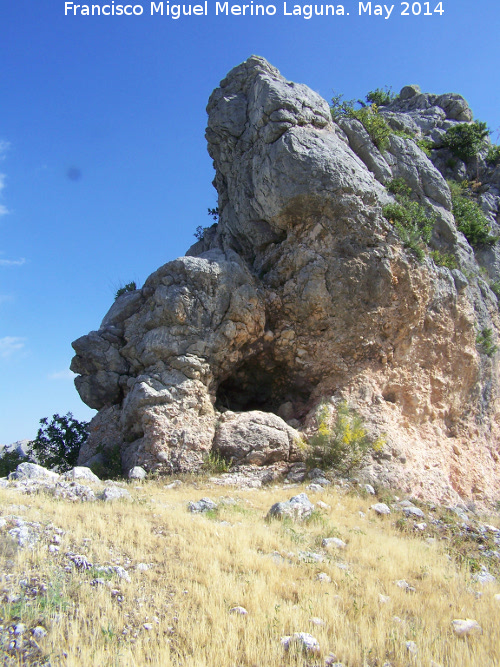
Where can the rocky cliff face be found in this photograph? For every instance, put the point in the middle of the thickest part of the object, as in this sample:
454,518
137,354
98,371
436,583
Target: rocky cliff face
303,291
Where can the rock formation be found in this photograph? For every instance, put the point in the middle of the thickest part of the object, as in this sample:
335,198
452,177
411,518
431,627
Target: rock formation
303,291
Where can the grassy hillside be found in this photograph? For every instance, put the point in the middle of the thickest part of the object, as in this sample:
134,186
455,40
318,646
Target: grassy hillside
157,584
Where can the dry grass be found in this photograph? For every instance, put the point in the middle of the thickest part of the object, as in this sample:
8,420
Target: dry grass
201,568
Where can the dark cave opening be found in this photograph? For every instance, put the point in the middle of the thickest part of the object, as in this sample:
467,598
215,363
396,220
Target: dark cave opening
260,384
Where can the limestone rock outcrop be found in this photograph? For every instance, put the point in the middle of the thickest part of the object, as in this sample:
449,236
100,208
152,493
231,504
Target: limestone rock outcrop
304,292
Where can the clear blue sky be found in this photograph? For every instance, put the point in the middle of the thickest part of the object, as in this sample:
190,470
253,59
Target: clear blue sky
103,156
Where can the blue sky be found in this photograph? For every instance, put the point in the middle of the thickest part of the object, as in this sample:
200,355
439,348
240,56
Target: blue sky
105,174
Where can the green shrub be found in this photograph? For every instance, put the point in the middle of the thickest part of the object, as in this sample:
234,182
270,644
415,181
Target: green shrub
58,443
341,108
466,139
343,445
398,186
381,97
495,288
110,465
215,463
444,259
493,155
411,220
368,116
469,218
374,124
426,145
129,287
484,340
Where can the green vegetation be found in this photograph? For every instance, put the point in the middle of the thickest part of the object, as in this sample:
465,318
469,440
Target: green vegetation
466,139
425,144
368,116
411,220
469,218
444,259
109,465
381,96
9,462
215,463
58,442
129,287
493,155
342,446
484,340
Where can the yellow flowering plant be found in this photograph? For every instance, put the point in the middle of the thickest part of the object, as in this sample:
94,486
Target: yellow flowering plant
341,444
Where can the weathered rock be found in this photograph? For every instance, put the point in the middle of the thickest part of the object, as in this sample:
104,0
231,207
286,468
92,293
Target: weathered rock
32,471
466,627
255,437
304,291
302,641
83,473
298,507
380,508
333,543
203,505
137,473
114,493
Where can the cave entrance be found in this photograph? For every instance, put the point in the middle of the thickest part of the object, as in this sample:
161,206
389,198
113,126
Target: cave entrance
260,384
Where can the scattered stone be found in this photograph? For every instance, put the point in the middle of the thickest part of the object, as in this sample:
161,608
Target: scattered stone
466,627
384,599
203,505
297,473
39,632
333,543
380,508
414,511
484,577
323,577
19,629
147,626
53,548
142,567
73,491
316,621
421,526
80,562
310,557
241,611
315,488
302,641
111,493
298,507
411,647
173,485
496,597
369,489
405,586
137,473
322,505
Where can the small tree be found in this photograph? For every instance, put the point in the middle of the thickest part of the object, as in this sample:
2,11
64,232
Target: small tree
342,445
58,443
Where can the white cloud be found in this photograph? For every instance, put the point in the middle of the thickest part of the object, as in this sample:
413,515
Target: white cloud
12,262
9,345
4,147
62,375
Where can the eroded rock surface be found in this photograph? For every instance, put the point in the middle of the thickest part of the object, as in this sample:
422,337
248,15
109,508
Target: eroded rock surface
303,292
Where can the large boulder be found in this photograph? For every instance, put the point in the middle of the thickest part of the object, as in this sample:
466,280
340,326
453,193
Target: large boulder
258,438
303,291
